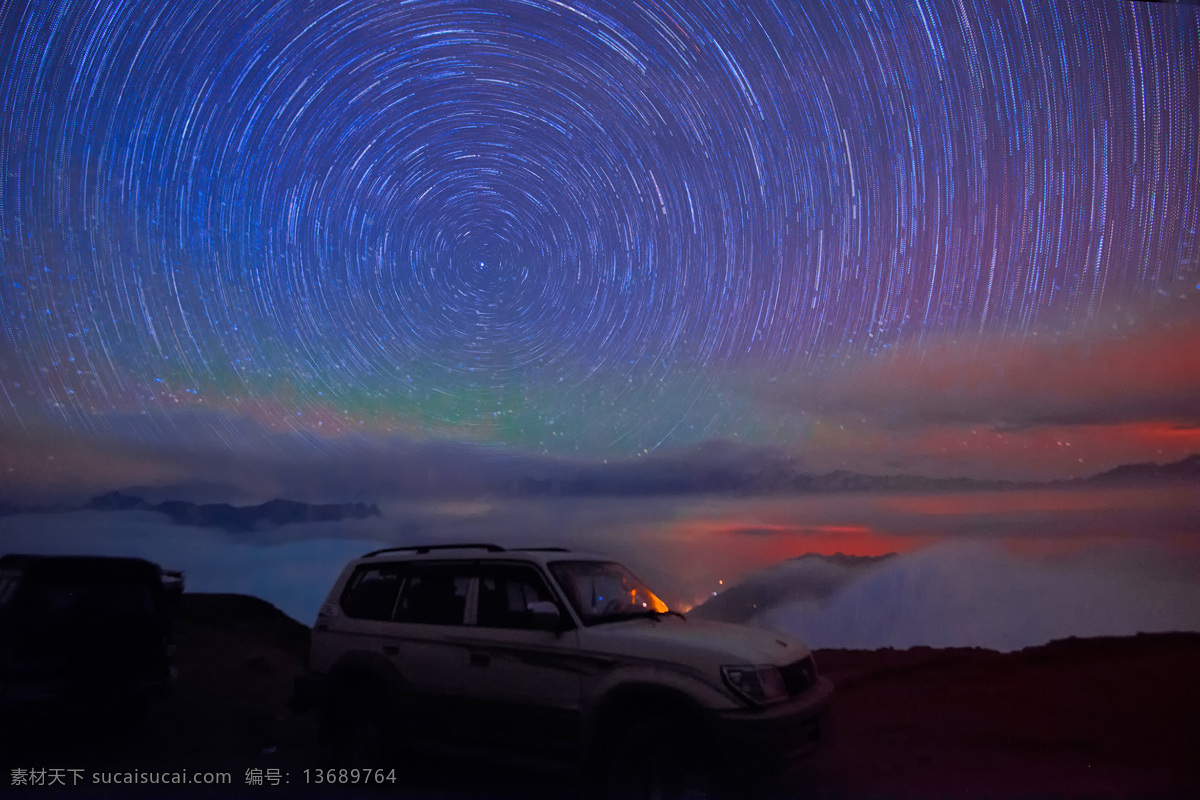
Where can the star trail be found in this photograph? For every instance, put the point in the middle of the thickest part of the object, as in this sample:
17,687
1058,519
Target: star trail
558,225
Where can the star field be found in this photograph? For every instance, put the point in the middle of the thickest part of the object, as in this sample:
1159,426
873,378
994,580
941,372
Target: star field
562,225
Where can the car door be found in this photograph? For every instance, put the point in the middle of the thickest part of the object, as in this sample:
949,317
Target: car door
523,683
403,614
425,645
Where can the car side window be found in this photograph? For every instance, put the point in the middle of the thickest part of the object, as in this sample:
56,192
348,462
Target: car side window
505,592
372,591
118,600
434,595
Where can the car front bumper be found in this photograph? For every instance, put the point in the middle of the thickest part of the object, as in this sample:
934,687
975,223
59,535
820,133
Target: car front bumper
762,742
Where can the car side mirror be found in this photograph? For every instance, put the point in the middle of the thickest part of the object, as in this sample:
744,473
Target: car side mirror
545,615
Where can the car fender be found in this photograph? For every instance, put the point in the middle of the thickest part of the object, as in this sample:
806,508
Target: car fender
644,689
677,678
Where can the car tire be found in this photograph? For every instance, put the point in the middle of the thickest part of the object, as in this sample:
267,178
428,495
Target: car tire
659,757
361,732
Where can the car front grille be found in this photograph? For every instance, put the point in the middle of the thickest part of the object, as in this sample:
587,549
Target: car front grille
799,675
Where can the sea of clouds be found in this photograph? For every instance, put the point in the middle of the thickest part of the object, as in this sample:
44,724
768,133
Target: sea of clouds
964,593
982,594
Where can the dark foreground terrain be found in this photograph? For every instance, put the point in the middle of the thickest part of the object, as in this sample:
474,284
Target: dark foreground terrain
1080,718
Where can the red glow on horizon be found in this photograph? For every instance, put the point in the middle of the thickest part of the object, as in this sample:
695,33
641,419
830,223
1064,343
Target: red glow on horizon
767,543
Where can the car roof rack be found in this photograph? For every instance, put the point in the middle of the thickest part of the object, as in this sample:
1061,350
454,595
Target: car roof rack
421,549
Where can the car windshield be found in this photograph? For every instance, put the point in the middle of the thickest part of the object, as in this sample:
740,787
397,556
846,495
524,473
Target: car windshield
604,591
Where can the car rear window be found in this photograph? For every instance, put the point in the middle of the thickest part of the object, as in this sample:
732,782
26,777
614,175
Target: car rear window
371,592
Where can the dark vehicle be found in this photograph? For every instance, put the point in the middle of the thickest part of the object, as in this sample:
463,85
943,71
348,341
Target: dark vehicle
85,635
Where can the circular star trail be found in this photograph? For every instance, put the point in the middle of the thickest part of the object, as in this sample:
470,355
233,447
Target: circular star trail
558,224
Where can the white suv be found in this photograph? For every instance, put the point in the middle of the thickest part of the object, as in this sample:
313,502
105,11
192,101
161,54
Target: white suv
547,652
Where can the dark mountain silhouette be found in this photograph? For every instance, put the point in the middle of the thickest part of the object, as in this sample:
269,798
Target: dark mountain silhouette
1187,468
236,519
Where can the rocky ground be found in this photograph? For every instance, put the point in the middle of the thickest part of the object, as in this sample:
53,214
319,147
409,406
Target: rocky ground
1081,718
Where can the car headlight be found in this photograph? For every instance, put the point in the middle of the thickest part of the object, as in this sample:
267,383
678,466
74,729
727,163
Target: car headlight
760,684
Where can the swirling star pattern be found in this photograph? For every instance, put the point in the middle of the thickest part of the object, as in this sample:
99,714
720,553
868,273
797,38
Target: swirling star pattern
556,223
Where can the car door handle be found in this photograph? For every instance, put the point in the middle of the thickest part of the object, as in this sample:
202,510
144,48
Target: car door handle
391,649
480,659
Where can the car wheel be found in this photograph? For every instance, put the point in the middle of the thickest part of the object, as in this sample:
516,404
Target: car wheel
361,733
659,758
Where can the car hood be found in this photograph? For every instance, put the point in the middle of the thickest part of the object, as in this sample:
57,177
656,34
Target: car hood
674,639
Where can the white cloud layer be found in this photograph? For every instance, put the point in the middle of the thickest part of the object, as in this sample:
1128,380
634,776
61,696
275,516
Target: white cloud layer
979,594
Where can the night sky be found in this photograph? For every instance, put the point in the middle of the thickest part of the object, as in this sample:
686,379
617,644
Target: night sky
930,237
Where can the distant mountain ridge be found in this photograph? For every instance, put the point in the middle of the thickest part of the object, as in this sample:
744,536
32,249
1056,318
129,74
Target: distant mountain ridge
748,474
236,519
1176,470
781,475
